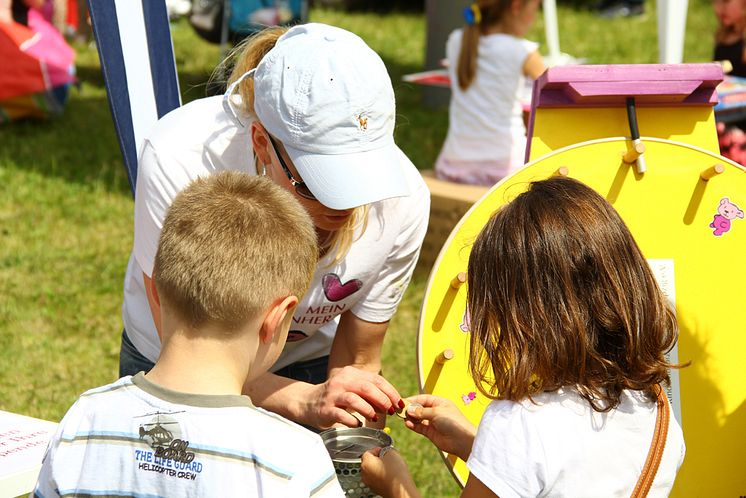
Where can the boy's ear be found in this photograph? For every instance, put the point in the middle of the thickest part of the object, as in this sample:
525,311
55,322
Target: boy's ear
276,317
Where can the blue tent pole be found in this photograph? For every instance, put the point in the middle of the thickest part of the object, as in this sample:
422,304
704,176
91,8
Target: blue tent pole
137,60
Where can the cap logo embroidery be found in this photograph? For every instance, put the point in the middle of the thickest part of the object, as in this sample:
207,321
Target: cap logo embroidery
362,122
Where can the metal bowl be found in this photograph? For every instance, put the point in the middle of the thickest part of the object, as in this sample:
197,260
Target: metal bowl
346,447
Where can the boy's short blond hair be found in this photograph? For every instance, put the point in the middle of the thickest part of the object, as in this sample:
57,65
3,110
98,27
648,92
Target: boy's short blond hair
230,245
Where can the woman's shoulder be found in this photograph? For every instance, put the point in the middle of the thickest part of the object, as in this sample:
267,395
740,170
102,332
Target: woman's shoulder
195,122
201,132
207,107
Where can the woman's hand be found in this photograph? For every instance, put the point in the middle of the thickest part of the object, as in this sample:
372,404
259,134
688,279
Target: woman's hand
348,390
440,420
387,475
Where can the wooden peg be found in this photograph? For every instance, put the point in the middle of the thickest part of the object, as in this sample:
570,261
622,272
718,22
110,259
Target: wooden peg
458,280
437,367
562,171
450,295
444,356
637,149
712,171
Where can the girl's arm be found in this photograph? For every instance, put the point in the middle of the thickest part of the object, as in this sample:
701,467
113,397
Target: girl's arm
440,420
533,66
389,477
476,489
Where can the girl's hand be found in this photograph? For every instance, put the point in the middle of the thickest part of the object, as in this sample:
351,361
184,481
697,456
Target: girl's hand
349,390
387,475
440,420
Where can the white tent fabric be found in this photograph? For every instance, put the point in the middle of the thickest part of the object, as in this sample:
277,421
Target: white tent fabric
671,29
137,60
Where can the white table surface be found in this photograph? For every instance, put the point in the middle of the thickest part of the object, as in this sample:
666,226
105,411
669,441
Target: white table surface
23,441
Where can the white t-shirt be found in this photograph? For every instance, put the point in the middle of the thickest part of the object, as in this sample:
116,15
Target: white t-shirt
561,447
134,438
486,120
199,139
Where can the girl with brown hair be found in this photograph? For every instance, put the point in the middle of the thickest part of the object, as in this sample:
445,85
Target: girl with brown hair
488,61
568,335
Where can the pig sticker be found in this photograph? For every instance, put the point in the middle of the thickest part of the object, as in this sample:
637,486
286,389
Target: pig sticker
727,212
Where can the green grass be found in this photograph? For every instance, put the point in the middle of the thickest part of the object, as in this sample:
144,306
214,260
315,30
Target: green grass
66,212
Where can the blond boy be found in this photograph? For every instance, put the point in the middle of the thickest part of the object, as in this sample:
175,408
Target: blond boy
234,254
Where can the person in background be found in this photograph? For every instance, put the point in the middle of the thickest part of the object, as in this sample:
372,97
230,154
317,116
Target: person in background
611,9
20,8
488,61
235,253
567,314
729,36
729,46
312,109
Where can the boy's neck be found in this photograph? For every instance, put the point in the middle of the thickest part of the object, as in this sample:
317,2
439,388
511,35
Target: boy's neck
195,363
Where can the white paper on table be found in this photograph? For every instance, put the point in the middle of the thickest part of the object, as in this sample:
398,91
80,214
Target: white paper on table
23,441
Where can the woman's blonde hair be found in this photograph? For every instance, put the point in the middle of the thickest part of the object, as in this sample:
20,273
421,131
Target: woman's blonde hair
559,294
491,13
245,57
339,242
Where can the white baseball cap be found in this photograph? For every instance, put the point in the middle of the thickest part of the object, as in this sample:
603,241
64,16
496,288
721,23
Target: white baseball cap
328,98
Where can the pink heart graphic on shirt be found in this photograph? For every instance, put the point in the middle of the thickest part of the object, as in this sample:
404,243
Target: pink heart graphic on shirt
335,290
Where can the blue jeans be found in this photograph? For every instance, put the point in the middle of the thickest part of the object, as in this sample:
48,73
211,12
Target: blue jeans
313,371
131,360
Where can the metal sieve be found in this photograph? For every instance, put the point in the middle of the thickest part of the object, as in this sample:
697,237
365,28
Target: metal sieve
346,447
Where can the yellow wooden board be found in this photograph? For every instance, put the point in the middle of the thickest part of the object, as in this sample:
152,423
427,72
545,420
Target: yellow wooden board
669,209
561,127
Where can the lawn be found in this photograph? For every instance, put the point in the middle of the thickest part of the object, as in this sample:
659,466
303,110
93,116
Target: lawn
66,211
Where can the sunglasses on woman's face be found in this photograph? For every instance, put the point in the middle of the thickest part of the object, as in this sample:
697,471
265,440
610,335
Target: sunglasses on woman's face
300,188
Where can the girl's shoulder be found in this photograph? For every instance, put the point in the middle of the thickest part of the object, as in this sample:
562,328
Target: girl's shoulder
456,33
567,401
503,40
454,39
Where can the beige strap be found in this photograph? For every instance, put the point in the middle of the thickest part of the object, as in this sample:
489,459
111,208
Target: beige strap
656,448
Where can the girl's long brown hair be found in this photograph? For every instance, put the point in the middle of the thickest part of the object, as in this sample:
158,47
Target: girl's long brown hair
559,294
492,13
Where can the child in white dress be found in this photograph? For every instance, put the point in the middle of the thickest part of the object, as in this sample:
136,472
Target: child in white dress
567,314
488,62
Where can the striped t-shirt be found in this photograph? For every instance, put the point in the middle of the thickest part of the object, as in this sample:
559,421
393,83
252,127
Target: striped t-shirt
134,438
